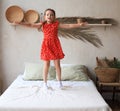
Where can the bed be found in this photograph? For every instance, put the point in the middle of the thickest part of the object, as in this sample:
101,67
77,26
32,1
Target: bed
28,95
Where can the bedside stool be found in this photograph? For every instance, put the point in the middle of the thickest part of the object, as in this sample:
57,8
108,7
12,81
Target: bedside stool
114,85
108,77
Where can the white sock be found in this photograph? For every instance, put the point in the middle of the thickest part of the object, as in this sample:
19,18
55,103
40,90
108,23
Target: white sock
61,86
60,83
45,85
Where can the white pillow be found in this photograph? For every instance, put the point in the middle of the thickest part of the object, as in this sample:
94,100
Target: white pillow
34,71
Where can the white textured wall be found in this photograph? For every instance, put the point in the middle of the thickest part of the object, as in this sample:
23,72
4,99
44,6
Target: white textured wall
23,44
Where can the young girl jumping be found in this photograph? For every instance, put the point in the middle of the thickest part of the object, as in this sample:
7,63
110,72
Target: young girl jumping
51,47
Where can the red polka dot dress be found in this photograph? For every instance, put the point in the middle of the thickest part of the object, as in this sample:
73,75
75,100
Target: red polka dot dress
51,47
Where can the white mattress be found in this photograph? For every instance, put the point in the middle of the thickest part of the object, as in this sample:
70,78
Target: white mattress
30,96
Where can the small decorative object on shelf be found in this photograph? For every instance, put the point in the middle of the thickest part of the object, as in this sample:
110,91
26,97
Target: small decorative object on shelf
81,20
104,22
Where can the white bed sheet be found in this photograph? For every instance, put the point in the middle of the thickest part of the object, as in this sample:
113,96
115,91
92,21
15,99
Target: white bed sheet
30,96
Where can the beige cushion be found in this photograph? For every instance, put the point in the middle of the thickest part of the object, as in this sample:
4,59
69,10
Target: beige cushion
34,71
74,72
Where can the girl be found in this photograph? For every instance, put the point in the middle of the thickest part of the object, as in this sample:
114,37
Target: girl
51,47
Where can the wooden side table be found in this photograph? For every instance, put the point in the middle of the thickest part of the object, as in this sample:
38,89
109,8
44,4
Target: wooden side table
114,85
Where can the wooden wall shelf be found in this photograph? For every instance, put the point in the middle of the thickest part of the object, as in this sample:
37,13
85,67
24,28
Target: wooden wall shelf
91,21
101,25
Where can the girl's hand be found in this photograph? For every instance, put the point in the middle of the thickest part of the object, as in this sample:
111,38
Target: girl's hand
83,23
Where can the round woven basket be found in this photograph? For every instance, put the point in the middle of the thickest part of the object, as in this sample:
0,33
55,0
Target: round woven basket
14,14
31,16
107,74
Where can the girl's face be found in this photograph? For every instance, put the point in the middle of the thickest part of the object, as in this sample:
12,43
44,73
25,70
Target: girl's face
49,16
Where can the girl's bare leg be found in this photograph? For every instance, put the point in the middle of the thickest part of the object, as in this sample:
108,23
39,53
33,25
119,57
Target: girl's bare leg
45,71
58,70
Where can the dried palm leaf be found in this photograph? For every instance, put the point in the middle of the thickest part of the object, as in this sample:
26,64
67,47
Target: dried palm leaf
84,34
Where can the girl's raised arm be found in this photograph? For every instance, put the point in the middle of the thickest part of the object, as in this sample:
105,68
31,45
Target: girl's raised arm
35,25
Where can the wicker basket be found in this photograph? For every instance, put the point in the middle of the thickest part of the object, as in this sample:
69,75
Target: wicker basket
107,74
31,16
14,14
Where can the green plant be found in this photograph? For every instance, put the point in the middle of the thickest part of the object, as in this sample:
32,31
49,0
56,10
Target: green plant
114,63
